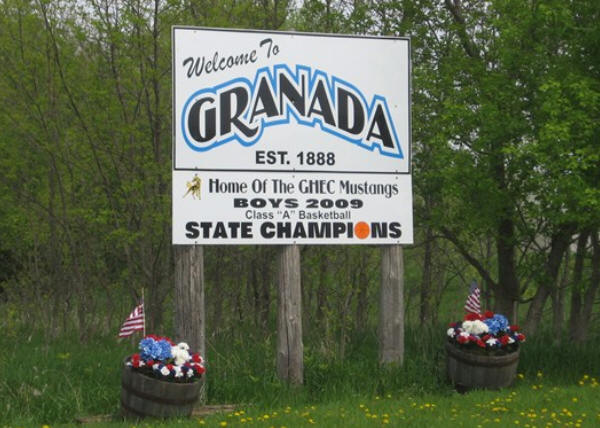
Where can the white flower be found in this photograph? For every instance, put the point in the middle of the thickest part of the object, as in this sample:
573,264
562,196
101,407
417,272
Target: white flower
190,373
450,332
475,327
183,345
178,372
464,334
180,354
511,340
492,341
165,371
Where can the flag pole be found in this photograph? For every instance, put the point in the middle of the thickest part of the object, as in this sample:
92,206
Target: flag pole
144,309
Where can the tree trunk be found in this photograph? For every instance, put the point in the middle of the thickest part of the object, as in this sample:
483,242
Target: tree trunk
189,301
558,303
559,243
290,349
265,296
391,310
590,294
362,299
322,288
507,276
576,330
425,304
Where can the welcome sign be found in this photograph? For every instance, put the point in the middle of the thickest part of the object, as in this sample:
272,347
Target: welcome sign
286,138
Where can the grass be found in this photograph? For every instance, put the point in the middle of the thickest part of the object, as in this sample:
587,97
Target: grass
52,383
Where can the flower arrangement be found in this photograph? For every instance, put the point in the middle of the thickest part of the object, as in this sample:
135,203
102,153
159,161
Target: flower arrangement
489,333
159,357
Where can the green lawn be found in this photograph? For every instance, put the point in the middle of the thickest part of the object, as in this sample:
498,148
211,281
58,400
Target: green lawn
529,403
52,383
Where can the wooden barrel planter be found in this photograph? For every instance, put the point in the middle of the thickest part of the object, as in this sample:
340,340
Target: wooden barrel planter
144,396
472,371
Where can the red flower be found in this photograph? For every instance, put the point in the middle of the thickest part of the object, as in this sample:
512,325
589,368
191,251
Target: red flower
514,328
462,339
197,358
452,324
504,340
159,338
150,363
198,368
472,316
521,337
488,314
480,343
486,337
170,367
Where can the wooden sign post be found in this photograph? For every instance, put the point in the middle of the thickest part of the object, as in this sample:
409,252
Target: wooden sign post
391,306
290,348
189,301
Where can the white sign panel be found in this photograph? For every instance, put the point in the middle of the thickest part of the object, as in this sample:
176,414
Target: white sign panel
290,138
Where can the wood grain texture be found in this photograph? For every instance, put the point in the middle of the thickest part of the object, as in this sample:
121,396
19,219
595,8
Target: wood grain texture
290,348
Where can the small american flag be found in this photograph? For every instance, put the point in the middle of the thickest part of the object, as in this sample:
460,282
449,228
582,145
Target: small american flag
134,322
473,304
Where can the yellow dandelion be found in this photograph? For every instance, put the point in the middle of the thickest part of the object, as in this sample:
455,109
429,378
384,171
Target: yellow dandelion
574,399
385,421
539,374
223,424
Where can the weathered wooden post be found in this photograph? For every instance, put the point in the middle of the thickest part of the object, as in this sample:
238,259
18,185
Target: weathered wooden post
290,348
189,301
391,306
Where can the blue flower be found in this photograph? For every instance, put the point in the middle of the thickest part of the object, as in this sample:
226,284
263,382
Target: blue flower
155,350
497,324
164,350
